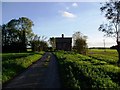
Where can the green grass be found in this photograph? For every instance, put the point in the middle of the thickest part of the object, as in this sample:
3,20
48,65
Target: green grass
6,56
110,56
14,63
79,71
103,51
29,49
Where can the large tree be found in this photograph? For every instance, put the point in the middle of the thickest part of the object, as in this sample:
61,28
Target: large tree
15,34
111,10
25,25
79,41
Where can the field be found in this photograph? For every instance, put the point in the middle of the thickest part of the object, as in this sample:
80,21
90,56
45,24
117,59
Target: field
14,63
97,69
110,56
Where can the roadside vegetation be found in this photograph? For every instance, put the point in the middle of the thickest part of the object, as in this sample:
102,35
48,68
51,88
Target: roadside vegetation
14,63
80,71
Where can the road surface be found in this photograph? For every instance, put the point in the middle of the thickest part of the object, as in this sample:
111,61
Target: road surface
42,74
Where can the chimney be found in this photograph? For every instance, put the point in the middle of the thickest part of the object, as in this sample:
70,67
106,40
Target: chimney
62,35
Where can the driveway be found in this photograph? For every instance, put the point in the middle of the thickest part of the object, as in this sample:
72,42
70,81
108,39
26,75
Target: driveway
43,74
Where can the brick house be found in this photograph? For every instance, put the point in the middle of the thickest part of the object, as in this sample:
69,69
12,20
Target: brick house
63,43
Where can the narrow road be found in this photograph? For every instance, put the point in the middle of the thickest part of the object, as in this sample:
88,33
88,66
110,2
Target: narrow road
42,74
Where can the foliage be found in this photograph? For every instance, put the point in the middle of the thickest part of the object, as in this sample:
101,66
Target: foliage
38,44
52,42
15,34
79,71
14,63
112,14
80,44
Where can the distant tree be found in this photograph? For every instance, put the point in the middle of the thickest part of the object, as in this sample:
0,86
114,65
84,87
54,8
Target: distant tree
112,14
113,47
34,43
38,43
52,43
80,44
43,46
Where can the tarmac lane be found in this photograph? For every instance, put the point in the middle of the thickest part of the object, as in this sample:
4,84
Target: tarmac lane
42,74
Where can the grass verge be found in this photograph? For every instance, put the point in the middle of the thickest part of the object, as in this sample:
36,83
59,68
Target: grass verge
16,63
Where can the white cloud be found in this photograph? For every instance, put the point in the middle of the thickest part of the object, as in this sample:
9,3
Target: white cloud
67,14
75,5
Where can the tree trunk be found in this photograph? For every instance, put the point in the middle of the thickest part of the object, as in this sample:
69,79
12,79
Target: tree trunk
24,42
118,50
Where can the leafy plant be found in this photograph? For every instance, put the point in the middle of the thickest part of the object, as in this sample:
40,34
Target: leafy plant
79,71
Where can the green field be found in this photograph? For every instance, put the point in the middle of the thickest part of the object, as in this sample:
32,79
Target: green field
96,70
110,56
103,51
14,63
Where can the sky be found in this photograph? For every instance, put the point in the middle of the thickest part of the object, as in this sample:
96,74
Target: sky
52,19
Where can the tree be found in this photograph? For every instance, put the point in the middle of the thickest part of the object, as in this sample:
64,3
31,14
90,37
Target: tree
112,14
80,44
16,34
43,46
38,43
52,43
25,25
4,35
8,38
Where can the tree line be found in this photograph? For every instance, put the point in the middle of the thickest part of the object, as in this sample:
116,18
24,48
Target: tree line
17,35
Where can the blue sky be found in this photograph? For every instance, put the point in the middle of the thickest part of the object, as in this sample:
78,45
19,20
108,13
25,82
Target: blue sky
54,18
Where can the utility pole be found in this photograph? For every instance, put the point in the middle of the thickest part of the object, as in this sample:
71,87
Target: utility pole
104,45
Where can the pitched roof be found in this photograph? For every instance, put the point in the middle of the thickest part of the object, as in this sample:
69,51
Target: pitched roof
65,39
